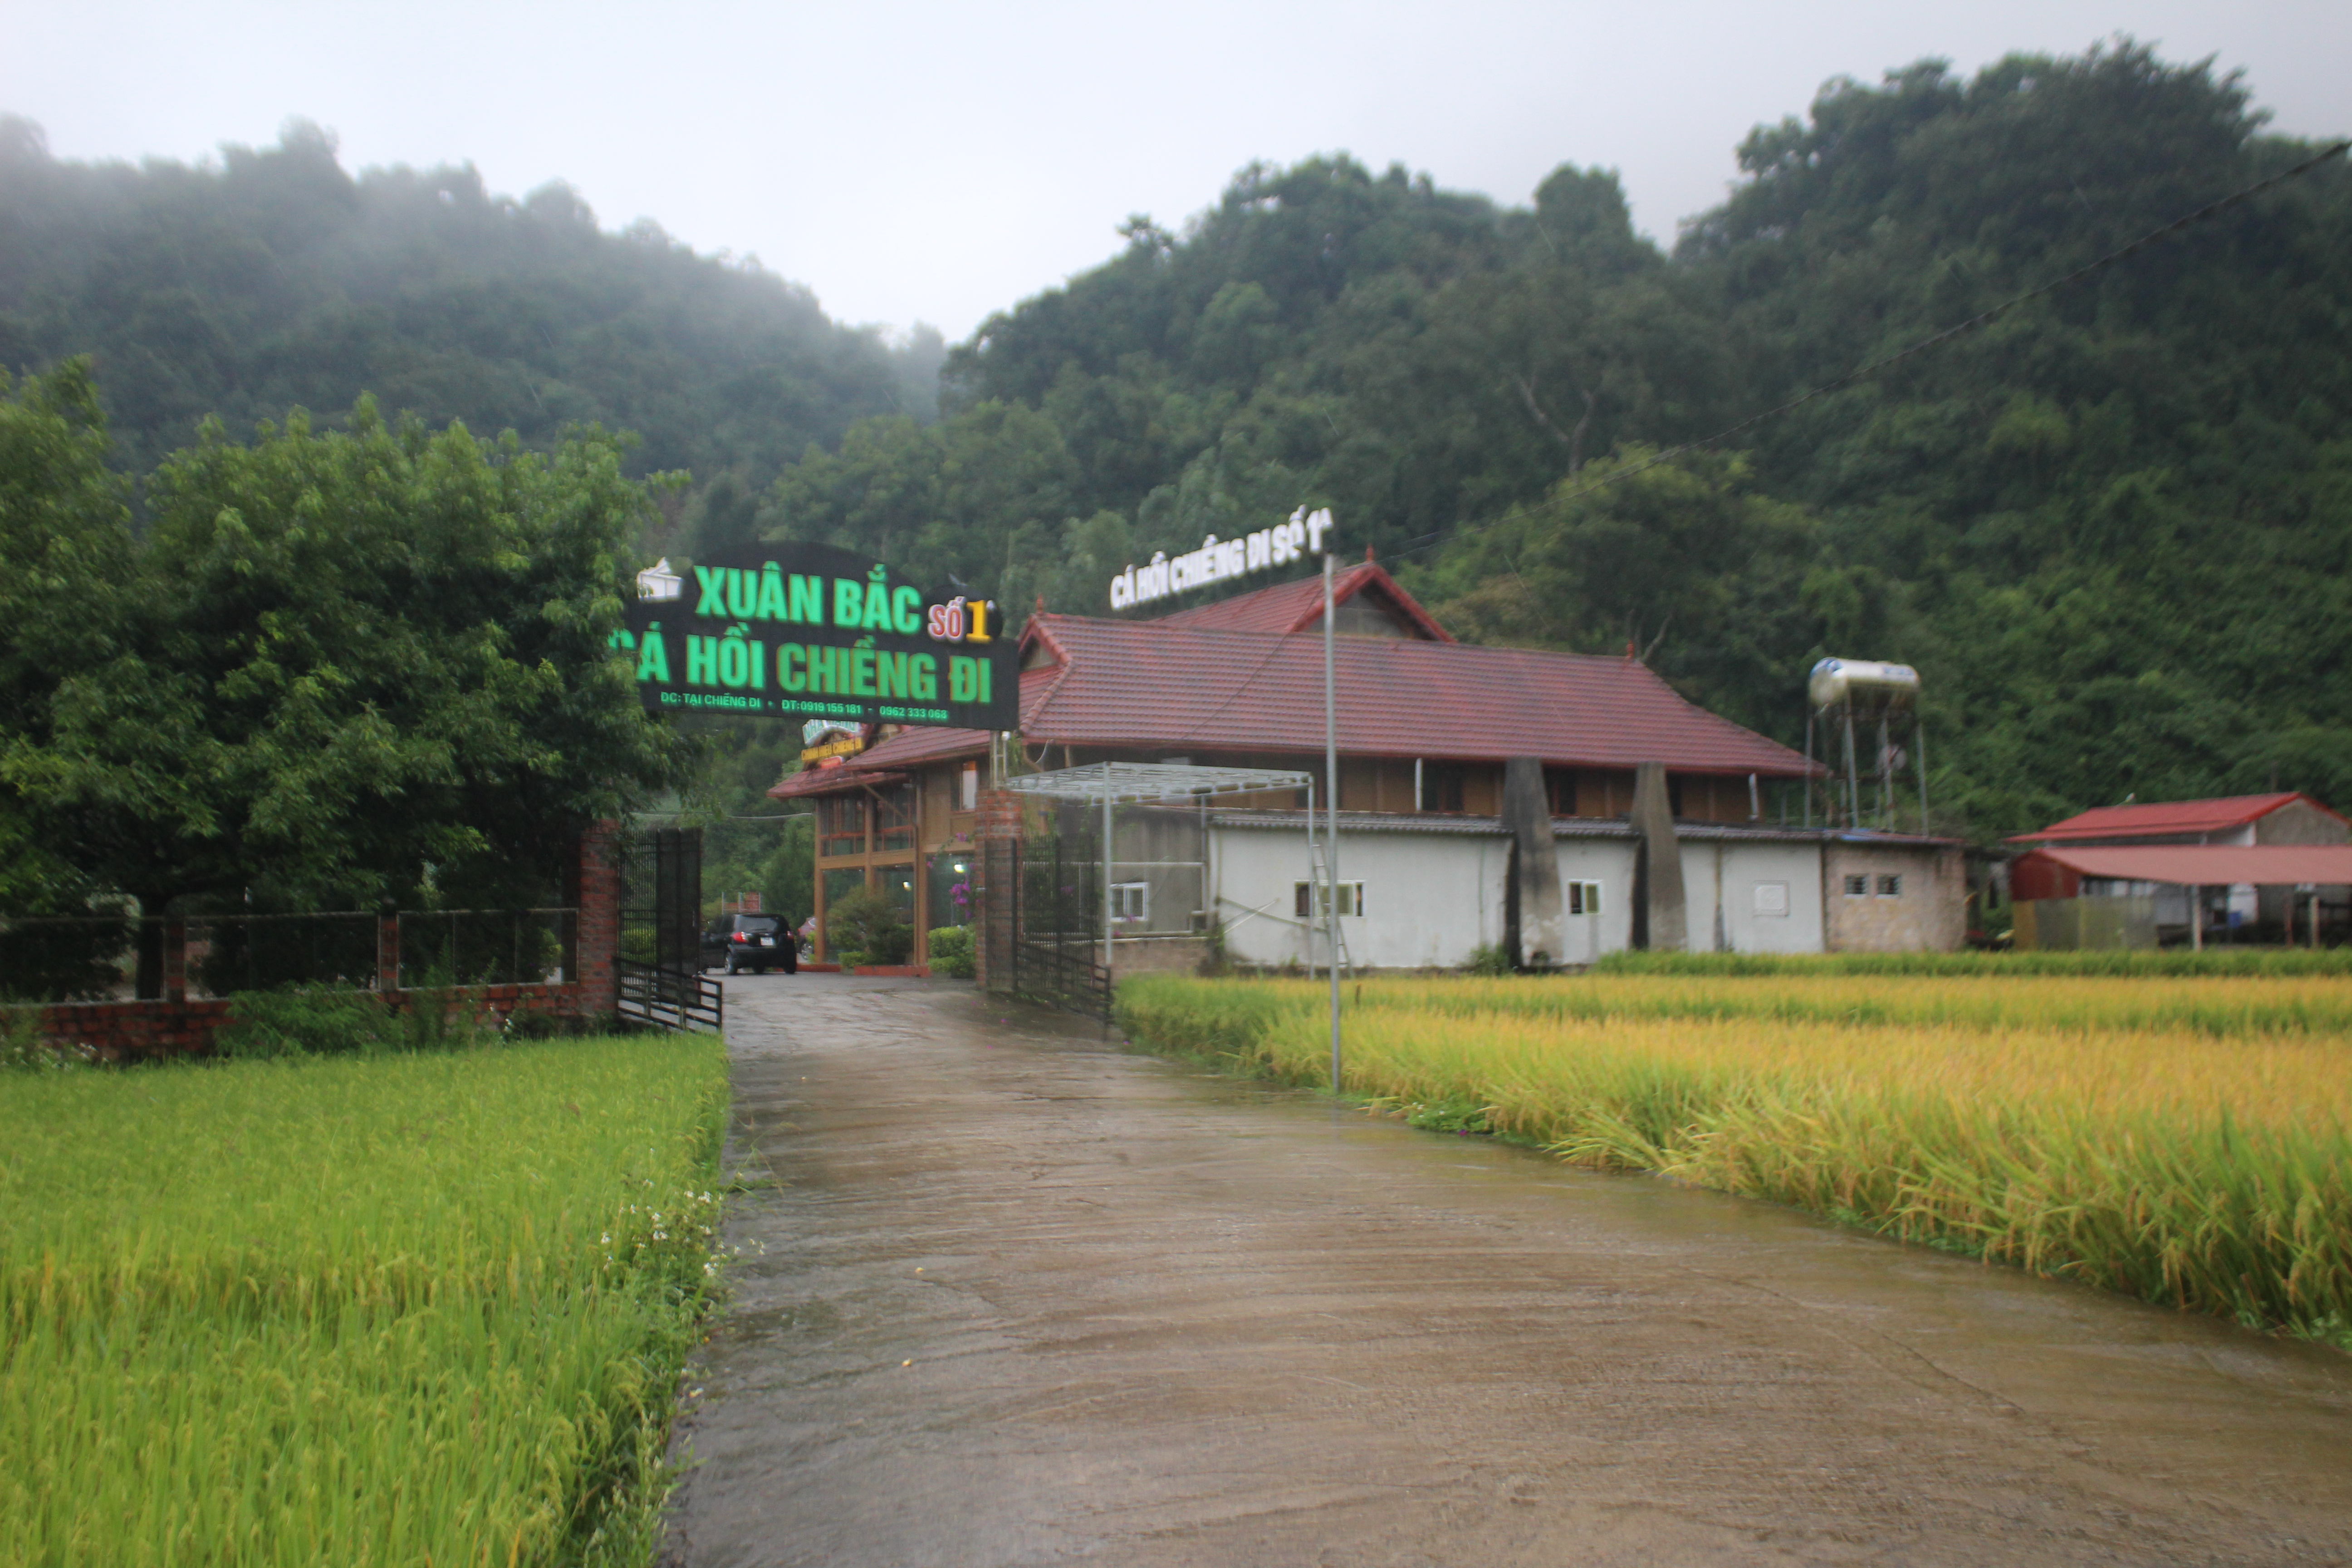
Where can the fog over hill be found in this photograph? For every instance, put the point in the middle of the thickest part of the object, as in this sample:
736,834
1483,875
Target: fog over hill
273,277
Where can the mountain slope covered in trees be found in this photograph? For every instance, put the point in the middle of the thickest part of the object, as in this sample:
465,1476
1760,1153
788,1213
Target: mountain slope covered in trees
272,278
2113,528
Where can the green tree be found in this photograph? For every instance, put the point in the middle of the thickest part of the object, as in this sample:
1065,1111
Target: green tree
363,664
66,564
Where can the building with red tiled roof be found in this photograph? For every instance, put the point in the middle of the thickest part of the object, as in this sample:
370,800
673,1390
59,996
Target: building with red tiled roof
2278,819
1426,728
2281,818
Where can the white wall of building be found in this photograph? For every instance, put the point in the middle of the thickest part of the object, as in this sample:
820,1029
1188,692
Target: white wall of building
1432,898
1609,863
1771,896
1429,897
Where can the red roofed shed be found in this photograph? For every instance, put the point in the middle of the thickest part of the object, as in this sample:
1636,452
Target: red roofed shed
2230,819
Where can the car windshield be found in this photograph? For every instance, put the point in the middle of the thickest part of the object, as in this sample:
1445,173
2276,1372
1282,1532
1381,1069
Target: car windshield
755,923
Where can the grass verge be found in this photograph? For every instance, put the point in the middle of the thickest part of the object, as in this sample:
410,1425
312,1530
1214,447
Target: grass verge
406,1309
2205,1167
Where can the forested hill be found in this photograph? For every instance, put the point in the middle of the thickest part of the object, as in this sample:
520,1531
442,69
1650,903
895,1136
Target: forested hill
2114,528
273,277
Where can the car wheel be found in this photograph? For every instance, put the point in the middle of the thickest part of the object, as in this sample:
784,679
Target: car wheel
791,964
730,964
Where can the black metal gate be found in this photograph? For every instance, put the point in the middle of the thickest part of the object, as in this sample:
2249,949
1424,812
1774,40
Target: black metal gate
1040,920
661,915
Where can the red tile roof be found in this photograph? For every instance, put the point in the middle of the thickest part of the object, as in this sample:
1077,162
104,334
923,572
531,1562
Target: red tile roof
1158,685
2209,864
1161,686
833,781
2164,818
1294,606
906,749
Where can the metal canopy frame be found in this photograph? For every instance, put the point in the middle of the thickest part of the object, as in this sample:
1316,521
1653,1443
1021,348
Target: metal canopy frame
1134,783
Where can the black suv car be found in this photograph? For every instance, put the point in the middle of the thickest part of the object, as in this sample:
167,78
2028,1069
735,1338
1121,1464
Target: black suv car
751,941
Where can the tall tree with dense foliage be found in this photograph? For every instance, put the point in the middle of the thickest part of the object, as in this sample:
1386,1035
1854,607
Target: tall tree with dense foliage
340,665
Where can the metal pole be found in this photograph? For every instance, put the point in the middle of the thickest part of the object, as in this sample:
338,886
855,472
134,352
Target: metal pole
1106,871
1331,773
1853,776
1308,925
1809,774
1886,777
1919,744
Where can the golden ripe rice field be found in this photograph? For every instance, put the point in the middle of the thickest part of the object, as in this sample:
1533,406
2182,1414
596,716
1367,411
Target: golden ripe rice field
2183,1139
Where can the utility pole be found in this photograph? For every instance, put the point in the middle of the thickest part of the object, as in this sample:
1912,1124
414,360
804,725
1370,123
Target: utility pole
1331,777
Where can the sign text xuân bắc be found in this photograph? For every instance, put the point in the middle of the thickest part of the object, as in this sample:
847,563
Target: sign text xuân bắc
807,631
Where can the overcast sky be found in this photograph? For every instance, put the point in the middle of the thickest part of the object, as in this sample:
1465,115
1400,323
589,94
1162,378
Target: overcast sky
934,162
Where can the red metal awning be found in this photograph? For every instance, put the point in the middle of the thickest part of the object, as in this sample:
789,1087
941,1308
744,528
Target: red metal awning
2209,865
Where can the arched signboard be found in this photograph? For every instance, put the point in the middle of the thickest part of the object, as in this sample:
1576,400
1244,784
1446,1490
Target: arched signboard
806,631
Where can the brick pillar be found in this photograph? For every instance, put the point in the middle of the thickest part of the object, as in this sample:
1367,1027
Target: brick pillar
999,819
598,942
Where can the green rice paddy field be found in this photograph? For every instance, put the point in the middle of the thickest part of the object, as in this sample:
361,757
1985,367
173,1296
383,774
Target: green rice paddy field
2176,1132
397,1309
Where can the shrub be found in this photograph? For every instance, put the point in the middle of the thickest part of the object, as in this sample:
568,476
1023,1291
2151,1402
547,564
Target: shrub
951,953
306,1021
1487,959
24,1049
868,924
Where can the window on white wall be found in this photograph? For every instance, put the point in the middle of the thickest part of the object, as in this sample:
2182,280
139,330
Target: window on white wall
1352,899
1131,902
1584,897
1890,887
1772,899
1858,887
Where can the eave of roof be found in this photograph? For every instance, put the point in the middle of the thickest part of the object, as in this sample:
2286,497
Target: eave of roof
2209,864
2171,816
1616,828
833,781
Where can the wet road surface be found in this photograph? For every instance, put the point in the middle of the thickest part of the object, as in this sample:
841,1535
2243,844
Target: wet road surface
1026,1299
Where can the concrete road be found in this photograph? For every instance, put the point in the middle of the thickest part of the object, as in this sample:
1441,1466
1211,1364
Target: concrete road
1015,1297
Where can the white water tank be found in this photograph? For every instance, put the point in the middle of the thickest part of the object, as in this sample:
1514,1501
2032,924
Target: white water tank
1864,685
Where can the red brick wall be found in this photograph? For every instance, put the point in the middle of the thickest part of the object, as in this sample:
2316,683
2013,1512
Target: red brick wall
155,1031
998,817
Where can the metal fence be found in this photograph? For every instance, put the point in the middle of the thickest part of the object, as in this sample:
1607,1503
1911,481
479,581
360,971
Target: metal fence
80,958
1039,925
671,998
128,958
487,947
226,953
